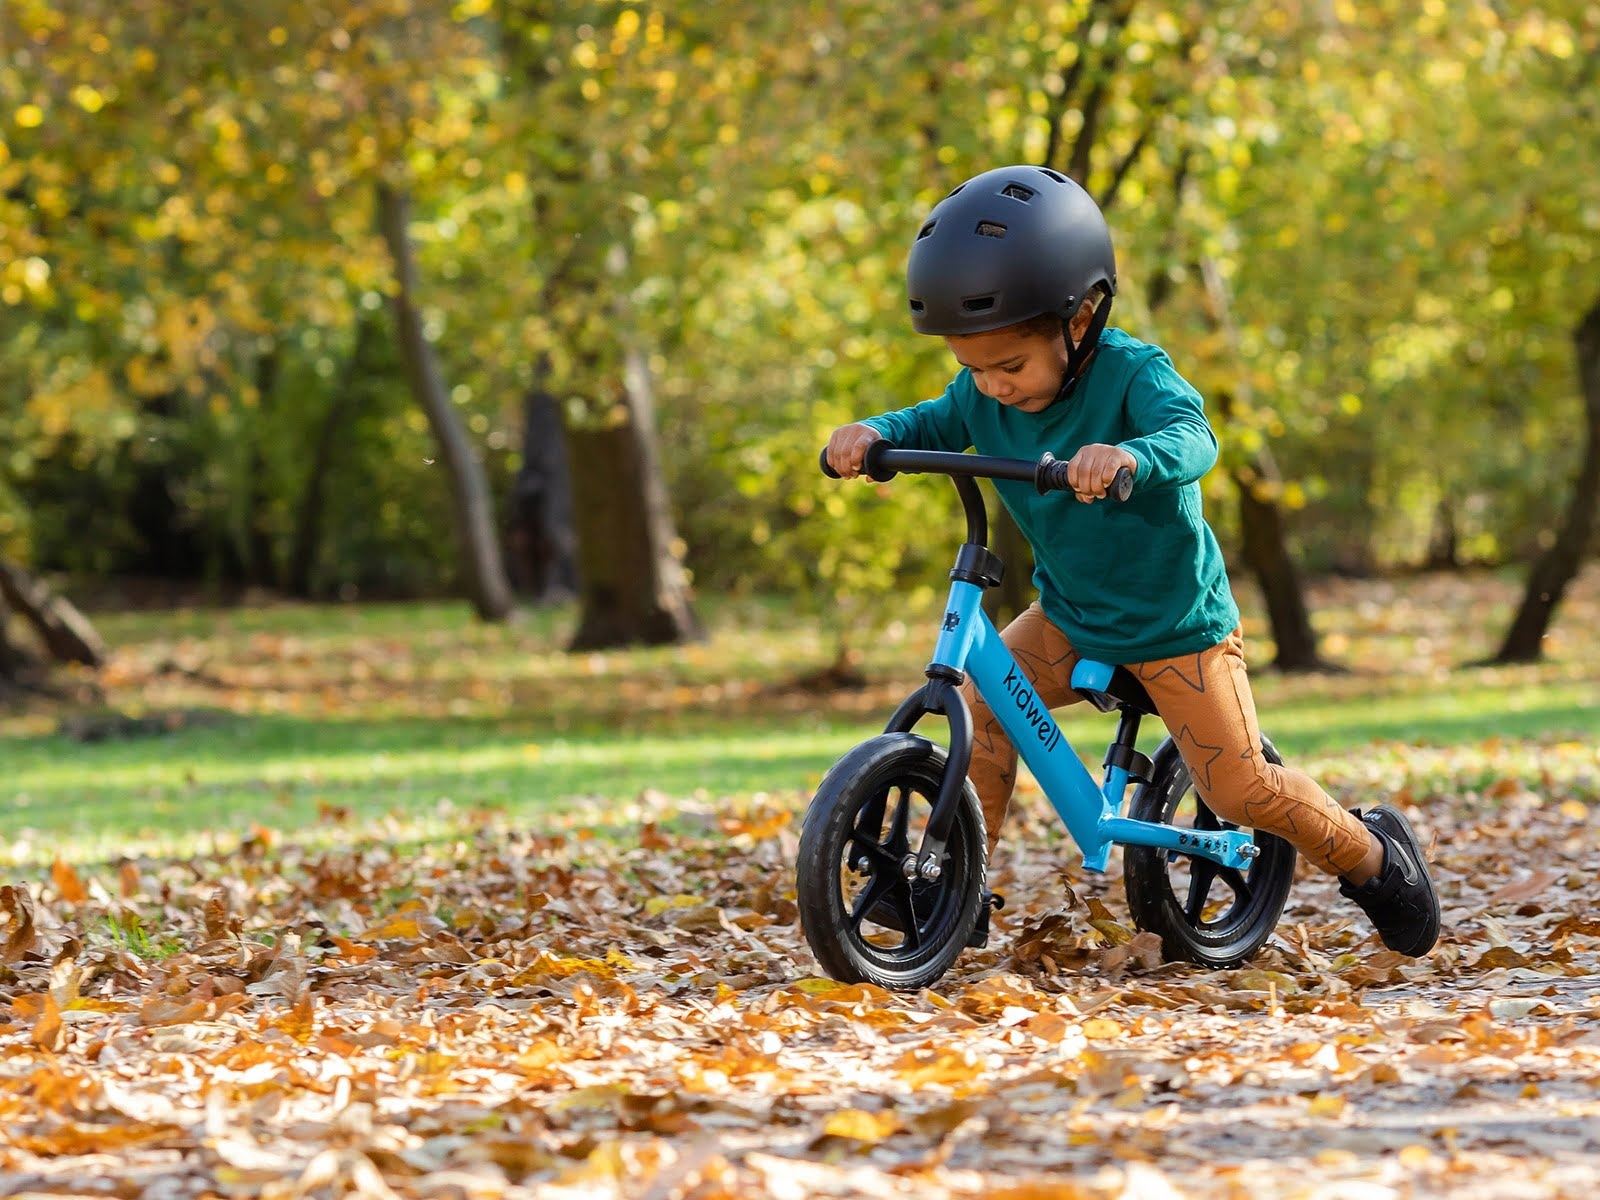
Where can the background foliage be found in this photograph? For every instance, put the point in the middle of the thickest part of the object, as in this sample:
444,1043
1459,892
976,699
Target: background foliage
1400,200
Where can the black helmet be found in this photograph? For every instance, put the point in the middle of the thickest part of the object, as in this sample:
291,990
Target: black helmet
1007,245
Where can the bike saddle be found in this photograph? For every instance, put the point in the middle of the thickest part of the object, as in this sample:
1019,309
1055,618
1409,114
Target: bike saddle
1108,687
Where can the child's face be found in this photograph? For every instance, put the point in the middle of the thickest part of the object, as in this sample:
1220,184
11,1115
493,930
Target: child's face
1021,371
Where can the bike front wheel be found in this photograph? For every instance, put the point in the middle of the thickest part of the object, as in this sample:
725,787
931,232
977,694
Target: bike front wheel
1205,912
864,920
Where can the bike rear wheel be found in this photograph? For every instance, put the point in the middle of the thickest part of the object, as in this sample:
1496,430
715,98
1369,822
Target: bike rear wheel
1205,913
868,814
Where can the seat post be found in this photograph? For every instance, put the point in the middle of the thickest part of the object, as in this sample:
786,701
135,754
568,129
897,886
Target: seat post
1127,726
1121,752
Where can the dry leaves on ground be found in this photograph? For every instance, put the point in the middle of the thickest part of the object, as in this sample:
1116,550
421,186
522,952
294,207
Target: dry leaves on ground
523,1015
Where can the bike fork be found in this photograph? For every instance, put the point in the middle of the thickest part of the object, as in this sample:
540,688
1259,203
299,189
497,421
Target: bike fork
941,694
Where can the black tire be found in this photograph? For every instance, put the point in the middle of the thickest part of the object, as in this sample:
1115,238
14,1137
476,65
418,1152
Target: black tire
871,807
1174,895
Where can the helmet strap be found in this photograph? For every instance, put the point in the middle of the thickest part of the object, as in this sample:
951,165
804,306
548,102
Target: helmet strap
1079,353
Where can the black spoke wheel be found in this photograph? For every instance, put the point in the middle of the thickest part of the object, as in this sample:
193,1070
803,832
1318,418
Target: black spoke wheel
864,920
1204,912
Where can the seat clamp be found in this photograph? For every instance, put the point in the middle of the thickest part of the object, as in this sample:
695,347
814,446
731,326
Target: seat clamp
1138,766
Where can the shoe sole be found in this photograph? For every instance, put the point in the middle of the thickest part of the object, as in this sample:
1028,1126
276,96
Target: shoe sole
1415,846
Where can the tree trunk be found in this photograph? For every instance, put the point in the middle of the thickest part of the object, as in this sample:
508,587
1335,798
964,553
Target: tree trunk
11,660
484,572
308,519
1444,541
260,569
1556,567
170,546
631,583
1266,551
65,632
1265,546
1264,543
543,528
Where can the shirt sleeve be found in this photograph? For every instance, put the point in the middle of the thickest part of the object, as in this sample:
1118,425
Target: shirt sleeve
1173,444
937,424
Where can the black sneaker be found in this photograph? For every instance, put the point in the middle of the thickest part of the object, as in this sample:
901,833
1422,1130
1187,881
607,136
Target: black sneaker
924,894
1400,899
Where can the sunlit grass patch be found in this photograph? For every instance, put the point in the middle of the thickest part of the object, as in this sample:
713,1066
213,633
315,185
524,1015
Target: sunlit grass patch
396,720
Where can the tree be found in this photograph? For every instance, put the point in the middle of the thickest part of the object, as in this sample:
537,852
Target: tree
204,244
1556,567
1549,92
688,234
544,530
482,568
1263,537
589,180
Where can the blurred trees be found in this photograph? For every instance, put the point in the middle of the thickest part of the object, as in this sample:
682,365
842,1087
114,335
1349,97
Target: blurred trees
683,227
615,112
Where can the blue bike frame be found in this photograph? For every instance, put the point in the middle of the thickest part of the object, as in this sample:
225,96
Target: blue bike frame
969,646
969,643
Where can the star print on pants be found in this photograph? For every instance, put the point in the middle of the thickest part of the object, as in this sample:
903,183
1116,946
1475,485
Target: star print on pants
1259,812
1198,756
988,736
1327,852
1181,667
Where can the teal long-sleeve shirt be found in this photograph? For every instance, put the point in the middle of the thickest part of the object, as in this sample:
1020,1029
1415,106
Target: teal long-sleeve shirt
1127,582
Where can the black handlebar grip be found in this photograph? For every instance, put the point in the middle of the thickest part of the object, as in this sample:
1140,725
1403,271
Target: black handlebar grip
1121,485
1052,477
869,464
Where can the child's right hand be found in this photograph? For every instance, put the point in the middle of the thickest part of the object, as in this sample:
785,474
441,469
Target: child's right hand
848,447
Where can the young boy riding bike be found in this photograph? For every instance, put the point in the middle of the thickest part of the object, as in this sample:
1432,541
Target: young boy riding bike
1014,269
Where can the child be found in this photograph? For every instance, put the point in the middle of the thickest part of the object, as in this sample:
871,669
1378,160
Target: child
1014,269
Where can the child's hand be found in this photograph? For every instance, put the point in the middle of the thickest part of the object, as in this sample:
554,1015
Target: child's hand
848,446
1094,467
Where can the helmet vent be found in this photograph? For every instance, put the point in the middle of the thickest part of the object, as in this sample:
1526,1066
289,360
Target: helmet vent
916,306
955,189
1056,175
926,230
1017,192
978,303
991,229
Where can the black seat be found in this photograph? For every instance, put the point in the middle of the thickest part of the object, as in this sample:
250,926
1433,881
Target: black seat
1123,688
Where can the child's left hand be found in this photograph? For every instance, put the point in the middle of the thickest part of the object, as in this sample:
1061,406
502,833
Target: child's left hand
1093,467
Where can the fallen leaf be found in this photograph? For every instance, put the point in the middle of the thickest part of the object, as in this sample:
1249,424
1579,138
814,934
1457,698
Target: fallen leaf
21,937
860,1126
1326,1105
67,882
1522,889
216,916
48,1031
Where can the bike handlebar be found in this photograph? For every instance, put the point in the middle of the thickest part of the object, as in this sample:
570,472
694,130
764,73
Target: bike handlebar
883,462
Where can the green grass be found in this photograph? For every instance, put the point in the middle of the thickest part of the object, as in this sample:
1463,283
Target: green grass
326,723
126,931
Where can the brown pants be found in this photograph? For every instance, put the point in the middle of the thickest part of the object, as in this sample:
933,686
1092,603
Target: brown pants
1205,701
